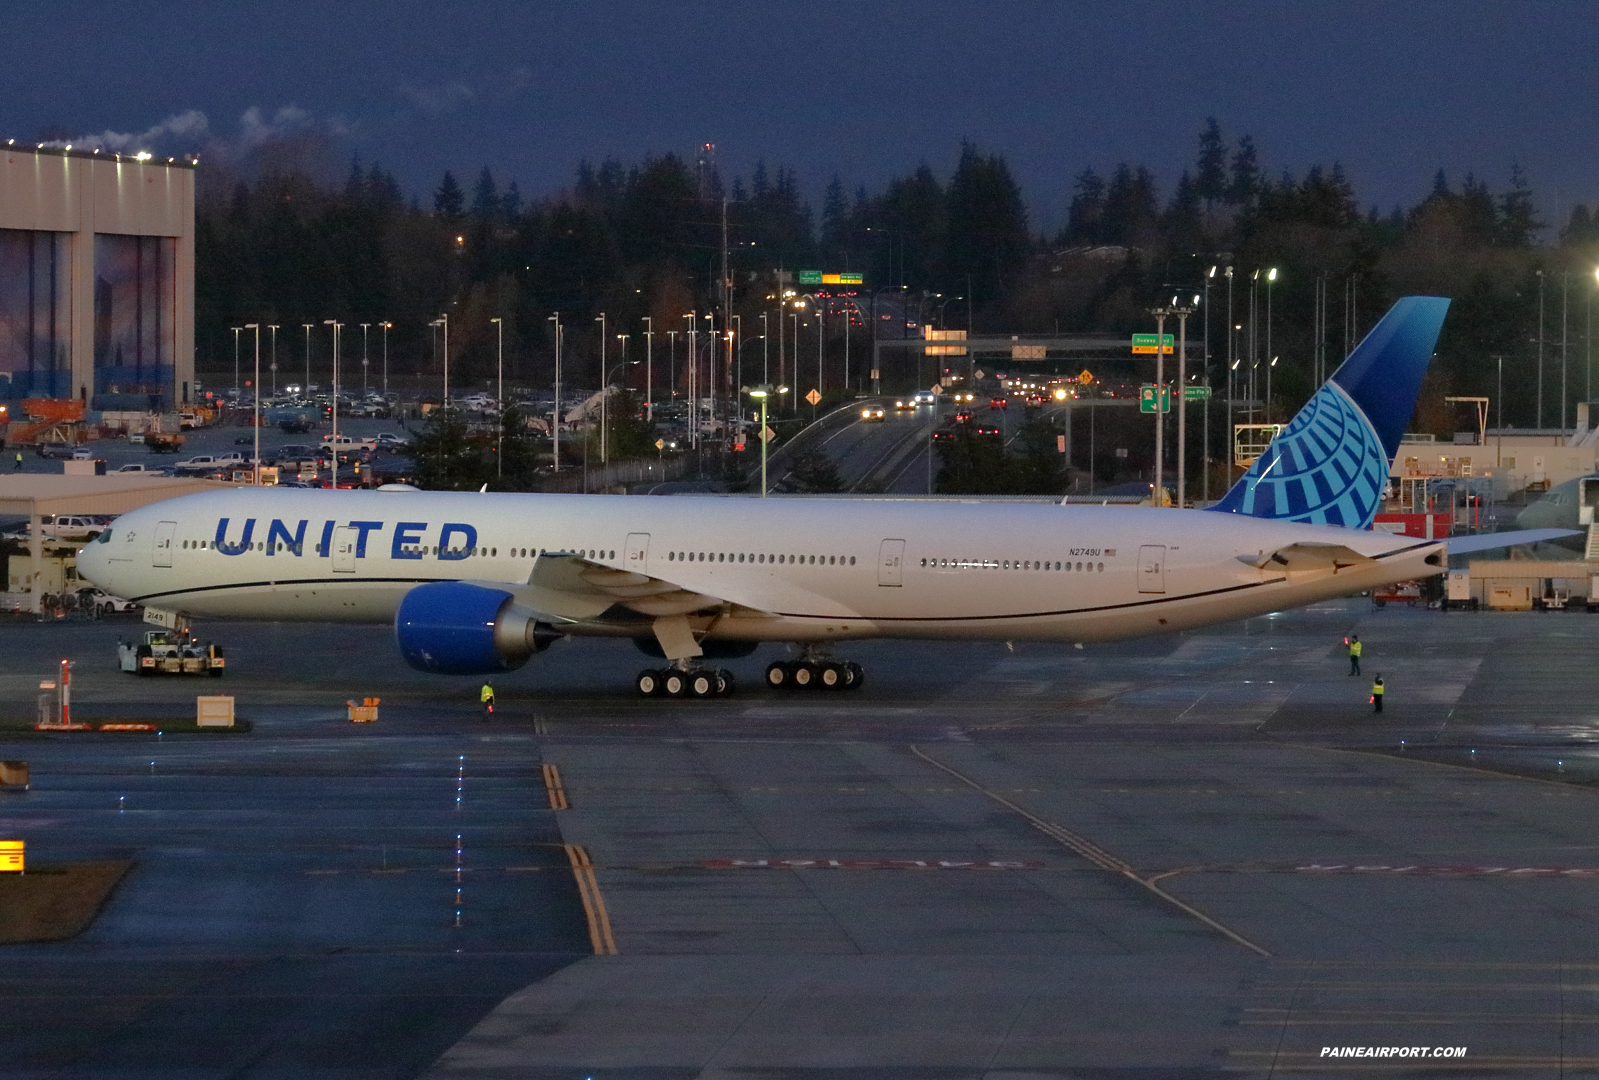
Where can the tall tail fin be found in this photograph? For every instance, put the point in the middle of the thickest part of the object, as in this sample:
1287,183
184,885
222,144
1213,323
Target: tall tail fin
1330,464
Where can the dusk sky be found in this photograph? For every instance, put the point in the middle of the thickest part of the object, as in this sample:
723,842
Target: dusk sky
869,90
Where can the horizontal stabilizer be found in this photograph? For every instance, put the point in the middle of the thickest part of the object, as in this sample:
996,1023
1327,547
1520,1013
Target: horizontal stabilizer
1465,545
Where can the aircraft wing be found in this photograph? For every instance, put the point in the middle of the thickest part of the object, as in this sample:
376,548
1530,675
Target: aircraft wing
1465,545
568,588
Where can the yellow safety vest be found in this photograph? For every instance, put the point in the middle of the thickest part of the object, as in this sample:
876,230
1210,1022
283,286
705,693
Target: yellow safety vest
1376,689
488,693
1354,648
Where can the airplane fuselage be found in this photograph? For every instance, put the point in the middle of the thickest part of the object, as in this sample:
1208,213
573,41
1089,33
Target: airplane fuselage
804,570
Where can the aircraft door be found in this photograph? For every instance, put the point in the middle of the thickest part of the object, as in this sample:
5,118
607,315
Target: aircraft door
344,549
638,553
164,532
1587,499
890,563
1152,568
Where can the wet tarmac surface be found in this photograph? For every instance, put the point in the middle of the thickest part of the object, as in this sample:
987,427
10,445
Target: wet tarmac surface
1184,856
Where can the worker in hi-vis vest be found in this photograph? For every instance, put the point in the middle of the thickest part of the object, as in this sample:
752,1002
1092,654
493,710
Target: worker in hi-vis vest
1376,695
1353,641
486,695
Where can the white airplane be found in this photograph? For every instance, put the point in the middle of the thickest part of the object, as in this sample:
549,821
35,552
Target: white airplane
475,583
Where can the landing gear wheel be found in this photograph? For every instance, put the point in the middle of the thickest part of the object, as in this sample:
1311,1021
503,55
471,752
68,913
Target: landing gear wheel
675,683
648,683
830,676
724,682
804,675
702,684
779,676
854,675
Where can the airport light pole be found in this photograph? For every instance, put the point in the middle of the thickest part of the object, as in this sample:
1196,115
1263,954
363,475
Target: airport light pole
387,326
649,369
364,360
274,330
693,318
444,321
1271,278
1182,400
499,453
334,454
766,352
604,381
306,389
236,330
256,464
555,425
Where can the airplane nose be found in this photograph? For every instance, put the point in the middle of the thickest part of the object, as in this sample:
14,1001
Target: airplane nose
94,565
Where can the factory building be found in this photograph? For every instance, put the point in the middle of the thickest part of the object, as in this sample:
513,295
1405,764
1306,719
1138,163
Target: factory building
96,278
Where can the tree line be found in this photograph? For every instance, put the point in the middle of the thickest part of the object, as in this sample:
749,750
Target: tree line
645,240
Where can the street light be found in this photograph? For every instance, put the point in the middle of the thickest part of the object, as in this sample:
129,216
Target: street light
604,381
444,321
1161,313
1271,278
335,444
364,360
693,318
387,326
649,369
256,470
274,330
236,330
761,394
555,426
499,454
307,388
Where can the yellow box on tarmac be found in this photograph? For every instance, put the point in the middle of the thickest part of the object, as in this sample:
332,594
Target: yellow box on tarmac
213,710
12,856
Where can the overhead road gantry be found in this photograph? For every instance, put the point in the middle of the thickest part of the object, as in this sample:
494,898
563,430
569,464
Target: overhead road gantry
36,495
1019,348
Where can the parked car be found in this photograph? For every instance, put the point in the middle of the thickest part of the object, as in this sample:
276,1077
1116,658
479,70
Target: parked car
103,604
152,470
59,451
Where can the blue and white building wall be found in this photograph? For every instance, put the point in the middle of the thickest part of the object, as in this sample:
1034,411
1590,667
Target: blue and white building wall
96,278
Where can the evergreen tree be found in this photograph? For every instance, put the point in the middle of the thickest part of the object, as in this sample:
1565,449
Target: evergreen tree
813,473
987,236
1518,218
446,457
1210,176
1245,182
448,200
485,196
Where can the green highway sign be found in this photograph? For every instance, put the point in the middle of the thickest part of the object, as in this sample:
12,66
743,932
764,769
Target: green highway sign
810,277
1146,396
819,277
1145,343
1196,393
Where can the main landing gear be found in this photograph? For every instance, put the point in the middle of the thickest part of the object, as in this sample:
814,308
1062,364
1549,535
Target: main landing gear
695,682
815,673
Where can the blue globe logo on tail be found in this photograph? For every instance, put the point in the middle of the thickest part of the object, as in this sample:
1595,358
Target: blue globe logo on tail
1330,464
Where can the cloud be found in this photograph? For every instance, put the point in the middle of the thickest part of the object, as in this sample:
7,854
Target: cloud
437,100
189,128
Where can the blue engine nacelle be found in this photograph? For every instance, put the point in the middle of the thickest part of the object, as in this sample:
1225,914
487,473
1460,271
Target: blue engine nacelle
451,628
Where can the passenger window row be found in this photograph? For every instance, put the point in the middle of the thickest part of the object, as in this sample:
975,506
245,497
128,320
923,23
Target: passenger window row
758,558
1012,564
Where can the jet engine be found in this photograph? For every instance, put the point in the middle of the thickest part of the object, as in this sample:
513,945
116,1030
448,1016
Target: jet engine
451,628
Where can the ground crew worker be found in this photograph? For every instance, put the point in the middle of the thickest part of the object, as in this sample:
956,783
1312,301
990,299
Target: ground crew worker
18,466
486,695
1376,695
1353,641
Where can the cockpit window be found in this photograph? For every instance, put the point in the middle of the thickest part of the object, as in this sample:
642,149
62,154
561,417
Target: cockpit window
103,538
